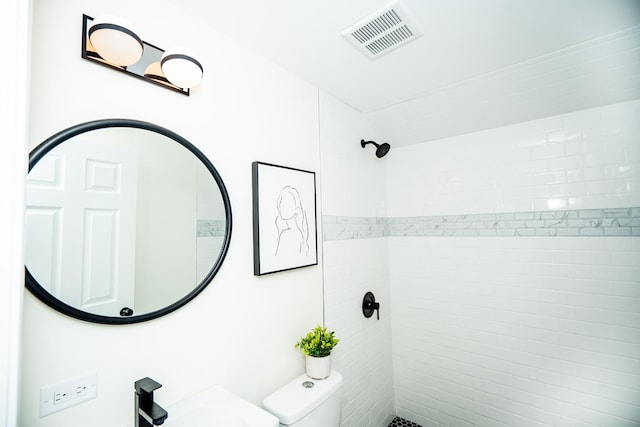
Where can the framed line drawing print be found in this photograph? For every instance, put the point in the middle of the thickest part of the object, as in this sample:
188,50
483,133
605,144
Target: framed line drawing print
284,218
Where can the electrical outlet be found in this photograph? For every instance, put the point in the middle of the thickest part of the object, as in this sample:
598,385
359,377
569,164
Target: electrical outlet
70,392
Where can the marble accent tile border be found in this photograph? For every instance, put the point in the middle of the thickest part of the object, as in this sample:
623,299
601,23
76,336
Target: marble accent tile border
353,227
210,227
619,222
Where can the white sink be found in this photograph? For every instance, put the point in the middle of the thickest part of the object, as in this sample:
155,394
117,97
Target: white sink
217,407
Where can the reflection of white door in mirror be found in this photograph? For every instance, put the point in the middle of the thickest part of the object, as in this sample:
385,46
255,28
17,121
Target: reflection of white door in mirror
90,188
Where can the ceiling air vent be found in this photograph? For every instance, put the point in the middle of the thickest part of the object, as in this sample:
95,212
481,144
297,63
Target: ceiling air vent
383,31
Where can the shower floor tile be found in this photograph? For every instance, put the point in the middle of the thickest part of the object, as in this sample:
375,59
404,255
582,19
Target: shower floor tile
401,422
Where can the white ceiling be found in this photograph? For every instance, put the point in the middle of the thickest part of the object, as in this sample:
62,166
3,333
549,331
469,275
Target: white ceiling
479,64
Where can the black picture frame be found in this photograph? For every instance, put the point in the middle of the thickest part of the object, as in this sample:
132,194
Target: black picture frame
285,232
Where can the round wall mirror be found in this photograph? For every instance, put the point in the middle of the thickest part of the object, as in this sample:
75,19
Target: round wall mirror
125,221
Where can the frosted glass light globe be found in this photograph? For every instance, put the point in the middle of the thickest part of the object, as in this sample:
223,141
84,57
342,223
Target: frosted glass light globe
181,68
115,41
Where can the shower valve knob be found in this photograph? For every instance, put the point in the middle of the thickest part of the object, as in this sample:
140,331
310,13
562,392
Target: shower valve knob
369,304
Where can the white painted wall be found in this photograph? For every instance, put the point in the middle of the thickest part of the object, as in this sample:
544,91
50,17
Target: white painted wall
353,185
240,331
14,24
526,331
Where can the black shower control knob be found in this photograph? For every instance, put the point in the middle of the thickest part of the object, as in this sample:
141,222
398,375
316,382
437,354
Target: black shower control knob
369,304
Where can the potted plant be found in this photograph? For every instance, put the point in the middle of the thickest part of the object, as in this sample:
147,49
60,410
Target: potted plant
317,346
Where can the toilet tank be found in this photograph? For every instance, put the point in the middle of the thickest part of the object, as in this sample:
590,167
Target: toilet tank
307,403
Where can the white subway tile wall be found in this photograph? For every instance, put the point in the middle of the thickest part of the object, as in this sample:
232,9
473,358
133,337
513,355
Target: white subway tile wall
497,330
584,160
363,356
353,182
516,331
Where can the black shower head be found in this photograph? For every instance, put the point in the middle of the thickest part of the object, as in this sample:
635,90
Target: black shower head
381,149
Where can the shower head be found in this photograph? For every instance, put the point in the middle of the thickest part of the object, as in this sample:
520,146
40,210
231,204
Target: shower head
381,149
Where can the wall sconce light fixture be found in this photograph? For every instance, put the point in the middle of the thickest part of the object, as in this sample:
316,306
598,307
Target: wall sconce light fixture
111,41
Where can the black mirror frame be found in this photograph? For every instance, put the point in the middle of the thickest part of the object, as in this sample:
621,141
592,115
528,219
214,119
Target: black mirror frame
47,145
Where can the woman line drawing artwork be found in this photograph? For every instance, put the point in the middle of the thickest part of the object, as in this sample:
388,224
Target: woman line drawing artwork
284,218
291,224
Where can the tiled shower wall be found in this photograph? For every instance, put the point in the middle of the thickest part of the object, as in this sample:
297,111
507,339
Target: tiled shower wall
513,305
351,268
504,331
353,183
584,160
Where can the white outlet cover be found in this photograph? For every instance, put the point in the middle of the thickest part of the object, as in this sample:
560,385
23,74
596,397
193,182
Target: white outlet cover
67,393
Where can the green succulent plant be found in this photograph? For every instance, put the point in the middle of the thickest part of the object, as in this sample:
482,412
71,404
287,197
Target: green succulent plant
318,342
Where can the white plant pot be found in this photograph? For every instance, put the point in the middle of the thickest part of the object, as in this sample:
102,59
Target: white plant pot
318,368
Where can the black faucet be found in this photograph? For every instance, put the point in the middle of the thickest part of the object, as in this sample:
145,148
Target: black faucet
147,412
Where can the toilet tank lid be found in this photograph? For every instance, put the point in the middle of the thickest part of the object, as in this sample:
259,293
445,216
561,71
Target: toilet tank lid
301,396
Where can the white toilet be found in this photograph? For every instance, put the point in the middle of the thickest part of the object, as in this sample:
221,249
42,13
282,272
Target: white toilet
307,403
